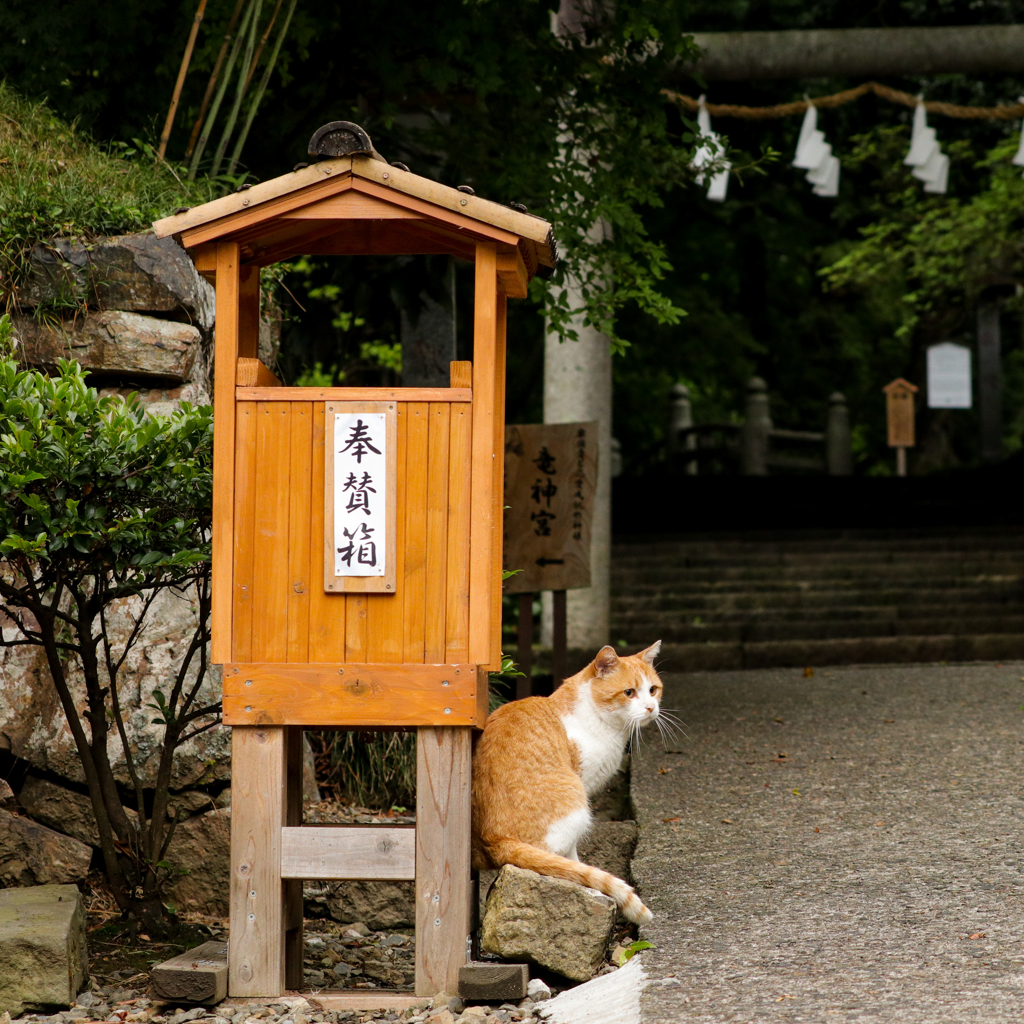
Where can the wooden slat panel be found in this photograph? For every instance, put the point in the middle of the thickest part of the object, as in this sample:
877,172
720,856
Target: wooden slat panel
245,504
384,611
443,883
412,590
270,568
354,394
326,612
299,583
333,695
497,479
434,645
257,961
327,852
226,352
355,627
483,526
459,516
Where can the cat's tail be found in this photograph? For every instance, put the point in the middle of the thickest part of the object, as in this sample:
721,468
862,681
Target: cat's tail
533,858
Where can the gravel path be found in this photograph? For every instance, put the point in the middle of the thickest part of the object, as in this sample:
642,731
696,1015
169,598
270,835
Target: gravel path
841,847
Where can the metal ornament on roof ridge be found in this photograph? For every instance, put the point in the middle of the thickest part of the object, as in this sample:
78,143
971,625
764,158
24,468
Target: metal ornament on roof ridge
341,138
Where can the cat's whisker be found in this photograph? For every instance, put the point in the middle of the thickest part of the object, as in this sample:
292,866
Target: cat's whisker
674,722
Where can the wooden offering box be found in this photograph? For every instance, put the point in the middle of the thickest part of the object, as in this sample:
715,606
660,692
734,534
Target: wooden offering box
356,549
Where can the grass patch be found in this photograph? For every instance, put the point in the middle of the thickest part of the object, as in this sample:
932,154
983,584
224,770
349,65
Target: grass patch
55,181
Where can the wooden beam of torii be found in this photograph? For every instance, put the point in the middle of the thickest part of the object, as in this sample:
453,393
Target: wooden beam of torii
859,52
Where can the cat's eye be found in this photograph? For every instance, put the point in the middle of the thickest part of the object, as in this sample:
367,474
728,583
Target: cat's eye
629,692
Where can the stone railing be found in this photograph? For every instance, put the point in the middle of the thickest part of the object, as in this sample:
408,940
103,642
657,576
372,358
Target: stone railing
755,446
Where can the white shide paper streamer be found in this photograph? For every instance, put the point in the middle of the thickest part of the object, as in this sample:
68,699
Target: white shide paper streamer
1018,160
929,163
707,154
814,155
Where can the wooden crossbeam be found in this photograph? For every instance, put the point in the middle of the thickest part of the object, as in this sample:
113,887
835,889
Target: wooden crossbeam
340,851
338,695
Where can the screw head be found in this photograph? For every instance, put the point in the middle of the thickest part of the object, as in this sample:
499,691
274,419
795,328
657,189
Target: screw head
248,707
384,176
463,202
444,682
437,922
248,682
447,711
252,917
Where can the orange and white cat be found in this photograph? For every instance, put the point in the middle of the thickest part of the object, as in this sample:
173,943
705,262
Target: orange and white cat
540,760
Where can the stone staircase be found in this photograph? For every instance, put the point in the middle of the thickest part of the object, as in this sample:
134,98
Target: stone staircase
813,598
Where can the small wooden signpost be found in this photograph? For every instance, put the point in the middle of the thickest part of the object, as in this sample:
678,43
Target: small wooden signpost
550,477
899,409
356,552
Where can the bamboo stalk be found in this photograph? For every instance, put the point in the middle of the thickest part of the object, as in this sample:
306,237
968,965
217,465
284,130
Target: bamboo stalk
214,75
259,49
222,88
229,127
258,97
182,71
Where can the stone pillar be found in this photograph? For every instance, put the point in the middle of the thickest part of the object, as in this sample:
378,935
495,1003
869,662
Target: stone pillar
428,345
754,438
681,419
838,443
577,388
990,383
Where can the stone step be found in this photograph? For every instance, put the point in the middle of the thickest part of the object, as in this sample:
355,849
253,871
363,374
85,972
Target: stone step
866,650
680,584
773,544
682,631
697,604
842,613
667,571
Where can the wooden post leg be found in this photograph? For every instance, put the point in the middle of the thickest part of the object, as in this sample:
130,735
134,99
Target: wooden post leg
293,944
256,958
901,461
524,653
558,629
443,885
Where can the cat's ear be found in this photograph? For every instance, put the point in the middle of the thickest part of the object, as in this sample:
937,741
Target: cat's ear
652,652
606,662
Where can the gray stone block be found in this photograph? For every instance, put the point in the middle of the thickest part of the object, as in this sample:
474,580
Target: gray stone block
43,958
141,273
551,922
114,343
31,854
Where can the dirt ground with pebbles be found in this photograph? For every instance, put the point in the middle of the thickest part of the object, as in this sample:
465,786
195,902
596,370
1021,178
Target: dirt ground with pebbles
845,846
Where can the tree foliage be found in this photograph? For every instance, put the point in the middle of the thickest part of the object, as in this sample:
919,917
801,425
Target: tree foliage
948,251
103,508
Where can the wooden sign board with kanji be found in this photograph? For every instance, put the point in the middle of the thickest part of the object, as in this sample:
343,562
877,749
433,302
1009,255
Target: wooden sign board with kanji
550,477
899,408
360,490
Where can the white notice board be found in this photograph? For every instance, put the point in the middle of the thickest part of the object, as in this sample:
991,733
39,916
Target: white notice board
949,376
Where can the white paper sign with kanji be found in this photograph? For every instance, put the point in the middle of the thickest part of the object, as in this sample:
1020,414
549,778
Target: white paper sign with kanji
359,496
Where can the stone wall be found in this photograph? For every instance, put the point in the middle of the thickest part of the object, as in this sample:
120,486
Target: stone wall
138,317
